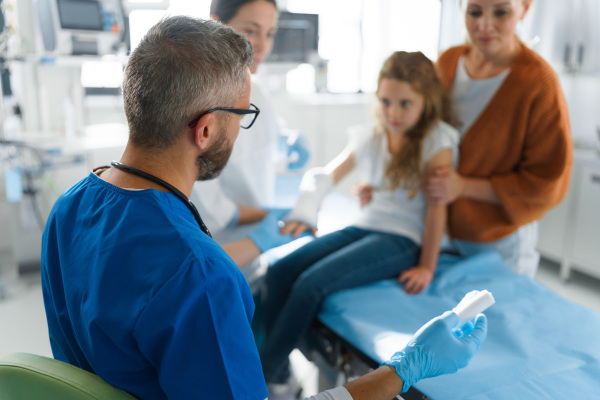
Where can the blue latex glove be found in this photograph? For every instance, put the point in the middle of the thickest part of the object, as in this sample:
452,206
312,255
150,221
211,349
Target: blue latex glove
267,235
435,350
297,146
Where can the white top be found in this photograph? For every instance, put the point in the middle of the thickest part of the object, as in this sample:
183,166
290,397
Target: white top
338,393
471,96
392,211
249,177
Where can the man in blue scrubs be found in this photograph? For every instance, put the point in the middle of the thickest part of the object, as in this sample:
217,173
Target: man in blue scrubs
135,289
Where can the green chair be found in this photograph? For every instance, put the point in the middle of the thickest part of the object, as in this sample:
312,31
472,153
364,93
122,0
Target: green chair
29,376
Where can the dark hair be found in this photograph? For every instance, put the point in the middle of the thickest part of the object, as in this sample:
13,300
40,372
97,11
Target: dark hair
227,9
182,67
404,169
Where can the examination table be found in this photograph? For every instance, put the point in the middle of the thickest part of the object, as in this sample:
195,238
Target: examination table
539,345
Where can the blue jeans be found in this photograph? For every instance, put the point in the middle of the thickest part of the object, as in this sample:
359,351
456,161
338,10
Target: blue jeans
297,284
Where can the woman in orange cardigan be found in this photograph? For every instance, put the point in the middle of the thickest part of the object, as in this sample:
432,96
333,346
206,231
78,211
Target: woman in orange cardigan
515,150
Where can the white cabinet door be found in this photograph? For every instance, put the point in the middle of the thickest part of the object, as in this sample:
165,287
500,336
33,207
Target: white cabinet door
567,33
588,48
586,245
553,227
551,24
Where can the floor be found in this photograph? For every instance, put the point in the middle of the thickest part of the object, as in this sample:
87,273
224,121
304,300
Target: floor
23,327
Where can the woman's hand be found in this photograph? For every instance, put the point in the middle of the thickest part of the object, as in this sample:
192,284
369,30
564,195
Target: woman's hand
443,186
416,278
364,191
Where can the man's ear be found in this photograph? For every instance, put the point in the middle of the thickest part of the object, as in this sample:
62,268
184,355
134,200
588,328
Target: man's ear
215,17
204,130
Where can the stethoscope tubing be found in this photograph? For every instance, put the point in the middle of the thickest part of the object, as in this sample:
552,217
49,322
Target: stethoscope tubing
169,187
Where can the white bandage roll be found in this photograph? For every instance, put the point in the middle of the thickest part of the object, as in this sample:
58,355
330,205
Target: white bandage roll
472,304
313,188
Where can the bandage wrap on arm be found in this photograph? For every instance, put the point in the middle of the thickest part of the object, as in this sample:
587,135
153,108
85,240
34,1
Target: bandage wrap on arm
313,188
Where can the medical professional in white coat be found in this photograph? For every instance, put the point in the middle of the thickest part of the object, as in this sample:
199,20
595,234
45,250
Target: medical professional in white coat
236,206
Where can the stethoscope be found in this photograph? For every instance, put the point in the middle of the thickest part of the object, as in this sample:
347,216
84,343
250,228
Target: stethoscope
167,186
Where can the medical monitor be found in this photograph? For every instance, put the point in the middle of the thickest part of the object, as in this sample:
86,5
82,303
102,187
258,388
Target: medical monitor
296,39
80,27
80,14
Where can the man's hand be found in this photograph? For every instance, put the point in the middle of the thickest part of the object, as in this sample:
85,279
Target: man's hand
435,350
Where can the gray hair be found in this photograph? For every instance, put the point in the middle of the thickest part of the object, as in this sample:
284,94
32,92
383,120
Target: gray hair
182,67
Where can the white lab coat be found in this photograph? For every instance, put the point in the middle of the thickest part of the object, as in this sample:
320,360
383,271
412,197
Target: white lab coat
249,177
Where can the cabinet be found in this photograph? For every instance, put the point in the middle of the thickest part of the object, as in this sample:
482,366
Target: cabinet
552,228
566,34
570,233
585,254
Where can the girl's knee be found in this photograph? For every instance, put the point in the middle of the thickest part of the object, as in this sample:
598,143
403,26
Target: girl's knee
309,291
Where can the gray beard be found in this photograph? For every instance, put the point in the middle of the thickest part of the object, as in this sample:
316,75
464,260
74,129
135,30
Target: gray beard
211,163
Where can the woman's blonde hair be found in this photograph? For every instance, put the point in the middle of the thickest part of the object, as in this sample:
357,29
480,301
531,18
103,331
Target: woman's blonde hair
404,169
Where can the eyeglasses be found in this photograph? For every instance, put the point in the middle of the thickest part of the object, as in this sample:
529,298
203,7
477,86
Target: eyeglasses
248,115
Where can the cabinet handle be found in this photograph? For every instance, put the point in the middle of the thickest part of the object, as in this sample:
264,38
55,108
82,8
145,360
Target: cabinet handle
580,53
596,178
567,58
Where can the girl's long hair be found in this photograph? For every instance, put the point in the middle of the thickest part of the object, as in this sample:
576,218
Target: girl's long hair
404,169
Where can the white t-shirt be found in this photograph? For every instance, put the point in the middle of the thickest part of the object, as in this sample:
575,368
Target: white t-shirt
392,211
249,177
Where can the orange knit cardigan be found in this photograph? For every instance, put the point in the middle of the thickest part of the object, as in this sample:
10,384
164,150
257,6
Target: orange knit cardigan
521,141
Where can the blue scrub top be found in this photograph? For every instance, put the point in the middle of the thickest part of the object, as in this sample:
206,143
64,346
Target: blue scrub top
135,292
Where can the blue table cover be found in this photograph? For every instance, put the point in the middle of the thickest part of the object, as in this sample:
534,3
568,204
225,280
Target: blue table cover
539,345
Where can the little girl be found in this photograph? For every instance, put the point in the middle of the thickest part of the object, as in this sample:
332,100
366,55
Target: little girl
397,233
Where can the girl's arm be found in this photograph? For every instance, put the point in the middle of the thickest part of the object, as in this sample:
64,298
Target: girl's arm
417,278
341,165
337,168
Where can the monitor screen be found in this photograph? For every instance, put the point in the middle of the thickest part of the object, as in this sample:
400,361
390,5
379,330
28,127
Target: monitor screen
297,36
80,14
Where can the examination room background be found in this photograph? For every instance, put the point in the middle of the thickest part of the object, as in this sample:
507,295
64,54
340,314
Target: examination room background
322,96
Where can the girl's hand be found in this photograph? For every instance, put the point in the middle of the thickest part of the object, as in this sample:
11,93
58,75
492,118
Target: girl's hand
443,186
364,191
297,228
416,278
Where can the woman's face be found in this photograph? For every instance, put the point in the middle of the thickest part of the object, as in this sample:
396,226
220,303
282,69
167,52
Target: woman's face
258,21
491,23
401,106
